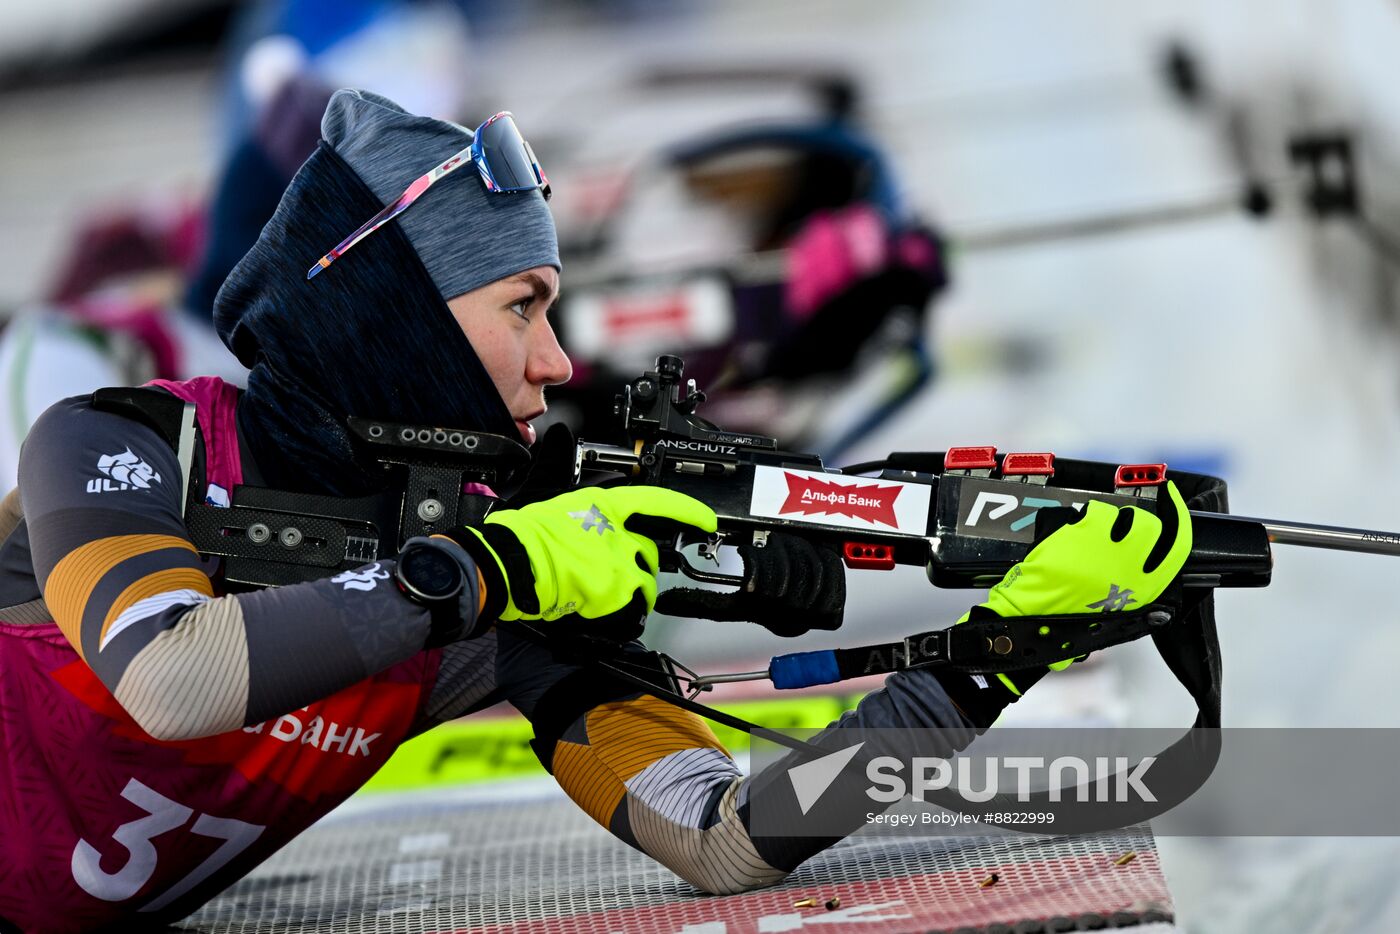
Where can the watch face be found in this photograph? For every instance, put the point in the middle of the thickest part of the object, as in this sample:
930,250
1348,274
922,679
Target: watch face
432,572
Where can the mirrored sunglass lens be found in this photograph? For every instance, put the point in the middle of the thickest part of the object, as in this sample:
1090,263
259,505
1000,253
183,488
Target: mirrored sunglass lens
506,156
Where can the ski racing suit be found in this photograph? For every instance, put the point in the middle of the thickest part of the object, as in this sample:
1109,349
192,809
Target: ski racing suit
162,738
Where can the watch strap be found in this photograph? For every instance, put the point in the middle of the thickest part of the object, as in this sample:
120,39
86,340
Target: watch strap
488,566
447,616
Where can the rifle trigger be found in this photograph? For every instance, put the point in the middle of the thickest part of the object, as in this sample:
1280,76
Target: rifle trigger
709,577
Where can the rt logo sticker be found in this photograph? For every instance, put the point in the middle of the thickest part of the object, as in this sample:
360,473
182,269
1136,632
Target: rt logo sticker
1007,510
1001,504
124,471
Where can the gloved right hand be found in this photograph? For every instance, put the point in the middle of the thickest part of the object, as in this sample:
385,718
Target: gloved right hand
1107,558
791,586
580,553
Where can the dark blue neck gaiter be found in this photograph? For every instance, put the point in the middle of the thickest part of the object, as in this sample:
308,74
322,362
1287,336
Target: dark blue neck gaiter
370,336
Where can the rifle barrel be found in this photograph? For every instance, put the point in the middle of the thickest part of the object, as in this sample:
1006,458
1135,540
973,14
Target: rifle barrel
1323,536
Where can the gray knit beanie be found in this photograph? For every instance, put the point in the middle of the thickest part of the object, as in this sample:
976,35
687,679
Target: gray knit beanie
465,236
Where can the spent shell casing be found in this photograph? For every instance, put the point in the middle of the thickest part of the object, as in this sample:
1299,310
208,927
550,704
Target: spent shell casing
1126,858
990,881
805,903
833,903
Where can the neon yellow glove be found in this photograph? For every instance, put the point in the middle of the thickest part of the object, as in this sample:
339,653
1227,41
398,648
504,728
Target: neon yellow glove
1108,559
580,553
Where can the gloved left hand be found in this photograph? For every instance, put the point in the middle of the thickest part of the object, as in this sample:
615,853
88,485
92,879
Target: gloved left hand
582,553
790,586
1107,558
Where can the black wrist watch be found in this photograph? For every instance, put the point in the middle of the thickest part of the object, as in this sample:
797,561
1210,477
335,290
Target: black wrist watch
429,575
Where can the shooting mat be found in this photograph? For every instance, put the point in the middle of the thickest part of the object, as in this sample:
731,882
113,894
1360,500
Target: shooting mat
448,860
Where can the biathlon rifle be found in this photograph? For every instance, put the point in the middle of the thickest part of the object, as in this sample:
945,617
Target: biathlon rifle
965,515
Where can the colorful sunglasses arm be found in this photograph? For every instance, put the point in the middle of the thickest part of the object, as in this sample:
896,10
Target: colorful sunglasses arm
390,211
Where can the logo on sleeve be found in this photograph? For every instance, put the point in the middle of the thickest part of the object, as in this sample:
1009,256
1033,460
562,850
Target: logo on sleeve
124,471
365,579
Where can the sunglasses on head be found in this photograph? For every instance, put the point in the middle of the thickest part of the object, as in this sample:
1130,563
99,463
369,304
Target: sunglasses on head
502,157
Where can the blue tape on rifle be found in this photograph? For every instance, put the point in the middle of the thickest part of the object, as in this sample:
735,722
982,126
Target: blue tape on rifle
803,669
